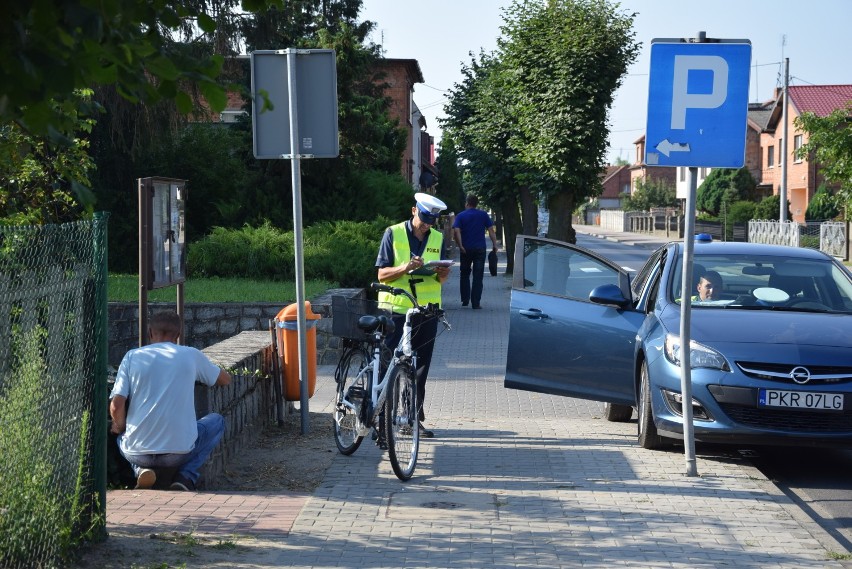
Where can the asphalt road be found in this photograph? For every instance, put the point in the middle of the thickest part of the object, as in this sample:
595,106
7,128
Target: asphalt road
818,480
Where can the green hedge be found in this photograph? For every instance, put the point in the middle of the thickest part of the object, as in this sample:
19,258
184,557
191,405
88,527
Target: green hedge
343,252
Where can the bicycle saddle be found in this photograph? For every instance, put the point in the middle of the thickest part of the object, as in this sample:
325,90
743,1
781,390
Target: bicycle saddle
370,323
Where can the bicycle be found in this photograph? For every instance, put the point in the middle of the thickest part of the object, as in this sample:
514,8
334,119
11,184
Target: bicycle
363,402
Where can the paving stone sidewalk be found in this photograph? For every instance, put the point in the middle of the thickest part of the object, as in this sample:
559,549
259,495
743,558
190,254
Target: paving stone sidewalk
517,479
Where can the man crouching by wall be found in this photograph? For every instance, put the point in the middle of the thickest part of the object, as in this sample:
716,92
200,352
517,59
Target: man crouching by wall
157,429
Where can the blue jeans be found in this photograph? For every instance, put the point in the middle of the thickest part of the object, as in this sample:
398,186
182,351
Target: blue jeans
210,430
472,261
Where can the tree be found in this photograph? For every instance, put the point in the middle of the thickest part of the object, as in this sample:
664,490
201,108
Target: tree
651,193
830,143
480,118
51,48
143,52
726,185
450,188
39,179
564,59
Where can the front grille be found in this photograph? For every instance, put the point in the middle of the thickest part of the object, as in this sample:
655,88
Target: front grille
780,373
790,419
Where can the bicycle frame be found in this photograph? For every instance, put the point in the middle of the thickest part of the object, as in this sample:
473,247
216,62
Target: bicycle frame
378,391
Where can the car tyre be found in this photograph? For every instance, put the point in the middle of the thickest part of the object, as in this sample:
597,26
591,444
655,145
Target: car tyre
615,413
648,437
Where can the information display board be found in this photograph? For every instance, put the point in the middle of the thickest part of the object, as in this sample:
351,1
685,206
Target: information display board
162,238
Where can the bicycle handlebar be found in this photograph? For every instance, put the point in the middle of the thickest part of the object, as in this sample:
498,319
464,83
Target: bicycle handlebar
438,312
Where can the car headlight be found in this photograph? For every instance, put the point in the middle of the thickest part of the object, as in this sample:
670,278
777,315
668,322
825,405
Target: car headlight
700,356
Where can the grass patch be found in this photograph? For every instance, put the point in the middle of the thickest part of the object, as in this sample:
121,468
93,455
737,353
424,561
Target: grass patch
125,288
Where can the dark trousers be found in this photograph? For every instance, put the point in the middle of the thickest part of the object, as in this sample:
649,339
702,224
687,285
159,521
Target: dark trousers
472,262
423,342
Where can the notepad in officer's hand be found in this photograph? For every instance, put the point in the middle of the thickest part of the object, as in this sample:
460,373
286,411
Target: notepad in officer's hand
428,268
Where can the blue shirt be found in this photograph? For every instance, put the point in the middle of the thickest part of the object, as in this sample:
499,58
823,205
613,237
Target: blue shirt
473,223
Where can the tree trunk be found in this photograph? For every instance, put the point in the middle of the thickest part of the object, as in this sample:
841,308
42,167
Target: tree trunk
511,228
529,211
561,206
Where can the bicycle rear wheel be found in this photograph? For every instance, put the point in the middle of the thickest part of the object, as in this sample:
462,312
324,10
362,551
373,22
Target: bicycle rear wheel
401,426
351,387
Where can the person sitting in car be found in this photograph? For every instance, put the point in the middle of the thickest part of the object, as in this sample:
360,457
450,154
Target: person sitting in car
709,287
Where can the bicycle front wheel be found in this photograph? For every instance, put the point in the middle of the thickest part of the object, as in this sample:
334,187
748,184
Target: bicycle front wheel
352,387
401,425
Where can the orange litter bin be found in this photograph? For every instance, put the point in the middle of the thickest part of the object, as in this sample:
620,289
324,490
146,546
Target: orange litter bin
287,329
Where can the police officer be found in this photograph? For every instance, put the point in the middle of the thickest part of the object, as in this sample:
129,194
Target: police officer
404,249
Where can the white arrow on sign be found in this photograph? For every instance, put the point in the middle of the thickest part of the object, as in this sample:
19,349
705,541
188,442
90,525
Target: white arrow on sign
667,147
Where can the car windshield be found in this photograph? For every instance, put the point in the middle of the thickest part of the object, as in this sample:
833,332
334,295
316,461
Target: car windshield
752,282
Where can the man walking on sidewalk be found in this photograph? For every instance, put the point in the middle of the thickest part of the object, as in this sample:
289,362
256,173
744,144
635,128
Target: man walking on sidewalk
469,230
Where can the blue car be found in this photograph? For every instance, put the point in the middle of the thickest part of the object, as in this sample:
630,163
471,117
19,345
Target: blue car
770,350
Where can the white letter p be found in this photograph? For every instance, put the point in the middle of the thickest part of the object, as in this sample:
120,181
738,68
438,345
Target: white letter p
682,100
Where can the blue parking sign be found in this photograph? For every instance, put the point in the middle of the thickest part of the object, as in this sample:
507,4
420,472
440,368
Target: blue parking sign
698,103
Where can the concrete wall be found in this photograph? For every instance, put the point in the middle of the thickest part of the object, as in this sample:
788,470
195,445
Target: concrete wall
248,403
209,323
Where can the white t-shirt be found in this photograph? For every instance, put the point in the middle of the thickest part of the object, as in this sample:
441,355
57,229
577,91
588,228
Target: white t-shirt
159,379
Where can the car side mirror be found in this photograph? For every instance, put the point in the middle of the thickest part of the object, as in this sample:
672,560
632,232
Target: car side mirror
609,294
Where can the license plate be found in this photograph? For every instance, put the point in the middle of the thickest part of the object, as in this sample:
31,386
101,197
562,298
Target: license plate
800,400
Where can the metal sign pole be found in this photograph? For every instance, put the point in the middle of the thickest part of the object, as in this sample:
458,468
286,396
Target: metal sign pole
297,235
697,115
685,323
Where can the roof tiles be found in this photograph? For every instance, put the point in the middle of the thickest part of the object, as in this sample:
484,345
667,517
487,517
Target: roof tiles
821,100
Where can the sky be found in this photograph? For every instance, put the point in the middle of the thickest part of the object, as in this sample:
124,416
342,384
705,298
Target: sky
440,34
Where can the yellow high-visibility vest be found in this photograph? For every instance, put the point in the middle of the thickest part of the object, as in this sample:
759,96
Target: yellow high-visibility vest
426,288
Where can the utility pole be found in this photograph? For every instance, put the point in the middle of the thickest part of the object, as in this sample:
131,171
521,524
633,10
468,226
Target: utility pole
782,191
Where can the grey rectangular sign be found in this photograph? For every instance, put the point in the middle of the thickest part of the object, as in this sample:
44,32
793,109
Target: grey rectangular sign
316,103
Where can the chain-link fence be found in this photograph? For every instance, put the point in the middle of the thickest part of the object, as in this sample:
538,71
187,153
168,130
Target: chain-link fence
53,398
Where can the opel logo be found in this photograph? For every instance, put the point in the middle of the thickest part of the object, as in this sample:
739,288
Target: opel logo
800,375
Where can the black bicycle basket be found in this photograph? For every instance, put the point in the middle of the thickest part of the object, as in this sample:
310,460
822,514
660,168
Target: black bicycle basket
346,311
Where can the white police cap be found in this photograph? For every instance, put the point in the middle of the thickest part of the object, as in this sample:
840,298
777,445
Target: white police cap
429,204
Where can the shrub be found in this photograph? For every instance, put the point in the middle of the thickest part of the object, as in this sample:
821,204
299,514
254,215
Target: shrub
38,521
809,241
741,211
770,208
343,252
823,206
252,252
651,193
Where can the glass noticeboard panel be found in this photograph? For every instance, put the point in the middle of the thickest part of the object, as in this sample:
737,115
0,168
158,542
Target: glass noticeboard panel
164,246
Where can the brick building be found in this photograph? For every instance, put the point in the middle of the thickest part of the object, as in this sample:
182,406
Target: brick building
400,76
803,176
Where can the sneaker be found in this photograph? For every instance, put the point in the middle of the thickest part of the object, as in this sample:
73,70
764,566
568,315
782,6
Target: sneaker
146,479
424,432
182,483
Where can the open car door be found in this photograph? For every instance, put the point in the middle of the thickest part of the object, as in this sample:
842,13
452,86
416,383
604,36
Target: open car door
560,341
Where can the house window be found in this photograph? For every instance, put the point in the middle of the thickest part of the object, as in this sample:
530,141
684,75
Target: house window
797,143
770,157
